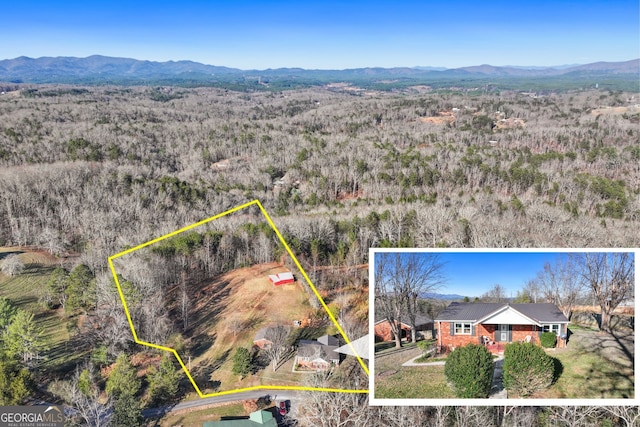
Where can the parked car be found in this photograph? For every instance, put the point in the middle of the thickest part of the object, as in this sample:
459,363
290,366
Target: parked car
282,408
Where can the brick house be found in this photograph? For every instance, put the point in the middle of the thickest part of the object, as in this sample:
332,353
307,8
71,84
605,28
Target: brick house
261,341
382,328
496,324
319,355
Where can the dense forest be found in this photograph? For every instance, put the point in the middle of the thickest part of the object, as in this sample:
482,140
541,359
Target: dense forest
87,172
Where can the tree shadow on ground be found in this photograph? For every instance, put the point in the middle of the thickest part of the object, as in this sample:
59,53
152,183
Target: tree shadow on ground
202,374
205,312
9,253
217,364
558,368
259,362
623,346
201,344
310,333
614,377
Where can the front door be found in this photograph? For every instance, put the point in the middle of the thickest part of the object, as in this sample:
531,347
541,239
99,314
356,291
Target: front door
504,332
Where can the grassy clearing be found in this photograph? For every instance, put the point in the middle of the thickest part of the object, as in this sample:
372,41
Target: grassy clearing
586,374
229,312
395,381
197,417
24,290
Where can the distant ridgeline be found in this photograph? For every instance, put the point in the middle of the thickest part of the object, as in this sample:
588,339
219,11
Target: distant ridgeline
102,70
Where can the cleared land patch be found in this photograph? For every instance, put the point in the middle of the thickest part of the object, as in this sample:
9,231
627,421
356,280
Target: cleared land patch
174,302
249,302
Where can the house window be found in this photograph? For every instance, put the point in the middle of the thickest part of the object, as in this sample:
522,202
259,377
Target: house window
463,328
555,328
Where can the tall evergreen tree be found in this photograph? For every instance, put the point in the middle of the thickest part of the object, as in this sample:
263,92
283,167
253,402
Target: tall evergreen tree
123,385
81,292
23,338
164,381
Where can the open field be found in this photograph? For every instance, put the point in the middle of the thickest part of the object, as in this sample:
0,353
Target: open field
24,291
250,303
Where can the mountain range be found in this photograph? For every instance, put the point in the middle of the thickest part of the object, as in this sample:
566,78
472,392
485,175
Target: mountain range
446,297
51,69
103,69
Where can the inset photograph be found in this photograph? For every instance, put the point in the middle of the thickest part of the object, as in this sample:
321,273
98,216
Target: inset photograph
510,324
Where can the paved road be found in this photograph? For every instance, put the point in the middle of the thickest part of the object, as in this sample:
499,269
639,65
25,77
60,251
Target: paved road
216,400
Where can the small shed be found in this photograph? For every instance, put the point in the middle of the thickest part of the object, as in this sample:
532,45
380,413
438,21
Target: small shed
282,278
261,340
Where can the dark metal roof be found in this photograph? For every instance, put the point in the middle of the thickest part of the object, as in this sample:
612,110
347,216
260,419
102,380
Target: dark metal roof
261,334
473,311
308,348
545,312
468,311
329,340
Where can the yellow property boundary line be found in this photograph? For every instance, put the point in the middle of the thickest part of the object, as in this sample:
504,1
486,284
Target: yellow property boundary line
175,353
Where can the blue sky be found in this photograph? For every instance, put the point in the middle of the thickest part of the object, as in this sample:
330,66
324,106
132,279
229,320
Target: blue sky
474,273
328,34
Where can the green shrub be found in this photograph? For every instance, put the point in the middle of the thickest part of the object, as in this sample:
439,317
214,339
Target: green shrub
426,346
469,370
526,369
548,339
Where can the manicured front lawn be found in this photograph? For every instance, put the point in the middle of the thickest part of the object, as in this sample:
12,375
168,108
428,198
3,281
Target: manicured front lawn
395,381
414,382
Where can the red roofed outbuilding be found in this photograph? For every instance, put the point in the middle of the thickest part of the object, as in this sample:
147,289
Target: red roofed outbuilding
282,278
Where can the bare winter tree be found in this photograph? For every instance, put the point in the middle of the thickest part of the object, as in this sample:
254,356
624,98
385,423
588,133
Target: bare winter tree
388,297
609,276
573,416
441,416
83,394
184,300
629,416
533,290
471,416
417,274
278,349
12,265
236,324
560,284
402,280
324,409
497,294
515,416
